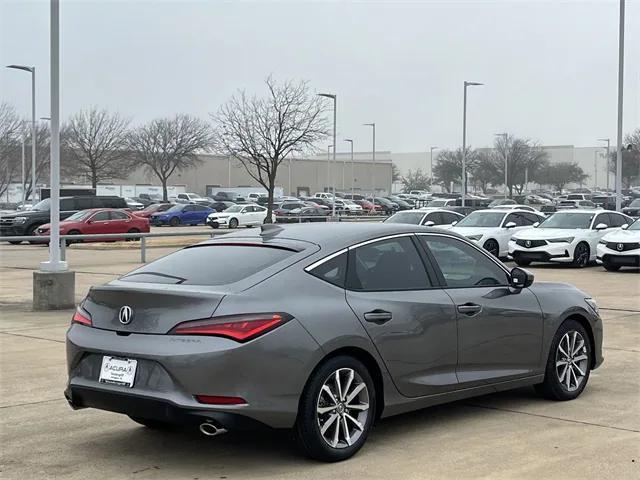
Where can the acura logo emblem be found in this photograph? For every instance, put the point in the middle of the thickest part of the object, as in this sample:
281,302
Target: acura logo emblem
620,247
527,243
126,315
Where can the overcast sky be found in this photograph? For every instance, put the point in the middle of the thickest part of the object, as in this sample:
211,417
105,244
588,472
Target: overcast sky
550,67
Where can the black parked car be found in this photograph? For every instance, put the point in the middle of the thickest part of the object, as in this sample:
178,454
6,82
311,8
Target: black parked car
27,222
228,197
387,205
402,204
633,210
220,206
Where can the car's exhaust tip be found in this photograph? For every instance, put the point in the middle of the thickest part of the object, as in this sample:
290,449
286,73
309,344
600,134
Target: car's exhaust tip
210,429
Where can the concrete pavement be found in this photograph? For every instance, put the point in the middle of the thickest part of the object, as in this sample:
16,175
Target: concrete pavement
502,436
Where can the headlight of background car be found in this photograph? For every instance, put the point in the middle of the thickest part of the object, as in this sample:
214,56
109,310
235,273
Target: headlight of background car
475,237
602,242
19,220
561,240
593,304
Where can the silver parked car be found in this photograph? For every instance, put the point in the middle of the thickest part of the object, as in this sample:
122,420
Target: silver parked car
381,319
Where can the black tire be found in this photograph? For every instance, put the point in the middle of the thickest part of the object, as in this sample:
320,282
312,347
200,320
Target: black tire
522,263
581,255
133,230
552,387
492,247
73,232
31,231
174,222
610,267
153,424
307,429
15,242
233,223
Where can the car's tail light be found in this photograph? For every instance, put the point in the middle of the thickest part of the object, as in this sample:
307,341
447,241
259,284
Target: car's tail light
240,328
219,400
81,317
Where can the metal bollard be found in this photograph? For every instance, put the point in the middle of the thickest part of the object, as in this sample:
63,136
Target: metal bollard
143,249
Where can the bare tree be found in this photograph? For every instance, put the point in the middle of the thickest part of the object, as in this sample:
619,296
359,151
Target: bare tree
94,145
523,155
43,156
263,132
167,145
10,129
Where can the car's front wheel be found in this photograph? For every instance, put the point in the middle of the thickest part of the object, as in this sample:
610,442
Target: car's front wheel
492,247
568,364
337,410
581,255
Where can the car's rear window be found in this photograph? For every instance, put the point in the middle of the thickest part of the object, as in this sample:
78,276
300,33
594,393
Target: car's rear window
209,265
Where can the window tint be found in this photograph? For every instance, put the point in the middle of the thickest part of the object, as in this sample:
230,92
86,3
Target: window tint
435,217
462,265
616,220
387,265
189,208
83,203
333,271
448,218
119,216
232,264
100,217
602,218
200,208
512,217
67,204
530,218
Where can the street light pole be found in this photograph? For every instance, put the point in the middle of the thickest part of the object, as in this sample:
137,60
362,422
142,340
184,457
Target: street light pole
464,139
620,92
607,162
431,149
505,136
352,168
373,169
24,190
335,116
31,70
595,169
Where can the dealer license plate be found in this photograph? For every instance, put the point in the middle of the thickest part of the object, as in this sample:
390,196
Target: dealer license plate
118,371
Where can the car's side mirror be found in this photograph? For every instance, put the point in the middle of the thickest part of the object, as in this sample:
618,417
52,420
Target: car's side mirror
510,225
602,226
520,278
536,225
453,224
429,224
625,226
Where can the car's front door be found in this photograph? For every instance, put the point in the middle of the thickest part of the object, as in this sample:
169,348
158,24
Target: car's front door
98,223
499,329
410,319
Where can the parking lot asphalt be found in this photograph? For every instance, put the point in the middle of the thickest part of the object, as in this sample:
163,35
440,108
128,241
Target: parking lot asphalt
508,435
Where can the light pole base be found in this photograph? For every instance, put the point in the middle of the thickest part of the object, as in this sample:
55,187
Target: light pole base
54,290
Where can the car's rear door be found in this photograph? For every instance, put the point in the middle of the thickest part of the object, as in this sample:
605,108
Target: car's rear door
409,318
499,329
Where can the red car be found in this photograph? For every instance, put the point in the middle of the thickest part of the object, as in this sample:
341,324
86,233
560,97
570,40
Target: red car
100,220
369,207
153,208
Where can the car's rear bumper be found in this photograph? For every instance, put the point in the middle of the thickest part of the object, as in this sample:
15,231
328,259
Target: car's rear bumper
154,408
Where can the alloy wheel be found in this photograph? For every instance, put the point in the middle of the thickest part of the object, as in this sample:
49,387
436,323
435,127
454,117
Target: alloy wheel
342,409
572,361
581,255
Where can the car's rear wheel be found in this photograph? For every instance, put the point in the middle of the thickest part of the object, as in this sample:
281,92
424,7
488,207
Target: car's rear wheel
174,222
610,267
31,231
337,410
233,223
569,363
492,247
15,242
152,424
581,255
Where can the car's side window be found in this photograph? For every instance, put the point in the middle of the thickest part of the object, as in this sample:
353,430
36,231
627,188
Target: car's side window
461,265
119,216
602,218
67,204
450,218
512,217
616,220
100,217
83,203
388,265
189,208
530,218
333,271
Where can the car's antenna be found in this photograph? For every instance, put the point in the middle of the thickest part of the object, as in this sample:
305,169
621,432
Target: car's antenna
270,229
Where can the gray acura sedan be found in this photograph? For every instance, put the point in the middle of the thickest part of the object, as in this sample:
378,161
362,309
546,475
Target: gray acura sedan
324,330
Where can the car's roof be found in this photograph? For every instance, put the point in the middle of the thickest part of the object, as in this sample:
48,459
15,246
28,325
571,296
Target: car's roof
506,210
585,210
425,210
329,237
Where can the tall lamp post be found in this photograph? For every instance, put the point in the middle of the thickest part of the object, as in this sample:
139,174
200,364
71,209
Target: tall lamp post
464,139
620,92
431,149
335,114
353,170
373,169
31,70
505,136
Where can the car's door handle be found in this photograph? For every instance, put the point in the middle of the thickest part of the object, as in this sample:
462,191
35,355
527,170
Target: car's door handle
470,309
378,316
